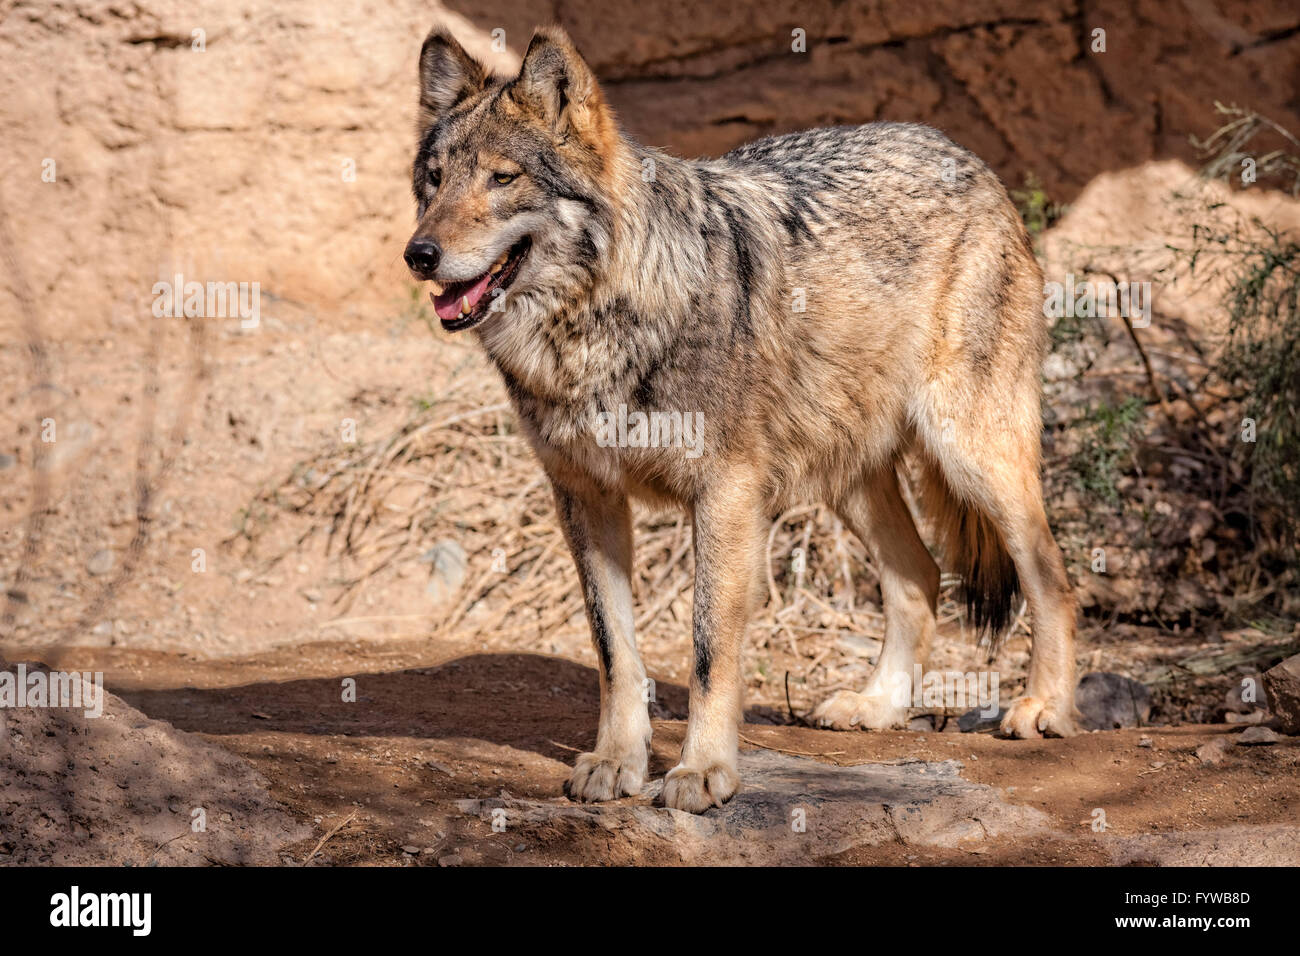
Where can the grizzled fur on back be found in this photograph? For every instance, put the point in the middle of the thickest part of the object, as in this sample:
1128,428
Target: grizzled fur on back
838,305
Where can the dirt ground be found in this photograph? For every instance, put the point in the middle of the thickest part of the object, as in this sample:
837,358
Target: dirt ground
434,726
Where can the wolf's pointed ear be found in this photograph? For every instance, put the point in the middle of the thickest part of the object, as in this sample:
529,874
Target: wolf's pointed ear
447,75
556,85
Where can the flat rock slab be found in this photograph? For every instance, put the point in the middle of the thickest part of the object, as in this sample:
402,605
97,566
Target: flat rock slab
790,810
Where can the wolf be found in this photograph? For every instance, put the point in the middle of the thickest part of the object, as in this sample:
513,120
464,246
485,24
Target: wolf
840,310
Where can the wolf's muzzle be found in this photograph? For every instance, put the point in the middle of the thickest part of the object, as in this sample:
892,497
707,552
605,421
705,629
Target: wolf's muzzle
422,257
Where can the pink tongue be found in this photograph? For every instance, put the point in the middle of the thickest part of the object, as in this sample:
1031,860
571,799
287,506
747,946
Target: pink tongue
448,304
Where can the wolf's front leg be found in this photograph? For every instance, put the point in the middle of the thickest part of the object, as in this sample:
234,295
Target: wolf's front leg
728,547
598,529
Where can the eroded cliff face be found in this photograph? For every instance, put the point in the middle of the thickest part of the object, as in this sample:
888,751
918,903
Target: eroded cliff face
273,146
1018,82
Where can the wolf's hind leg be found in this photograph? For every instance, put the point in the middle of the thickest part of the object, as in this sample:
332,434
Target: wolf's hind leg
909,585
998,475
598,529
1047,707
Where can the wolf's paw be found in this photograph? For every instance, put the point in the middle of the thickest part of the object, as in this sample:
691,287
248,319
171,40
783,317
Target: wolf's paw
847,710
695,791
1037,717
597,777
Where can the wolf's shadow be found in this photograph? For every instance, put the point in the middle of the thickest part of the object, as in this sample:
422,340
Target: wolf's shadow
528,701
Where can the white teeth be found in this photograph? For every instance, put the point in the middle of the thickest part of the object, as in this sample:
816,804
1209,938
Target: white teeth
464,305
500,263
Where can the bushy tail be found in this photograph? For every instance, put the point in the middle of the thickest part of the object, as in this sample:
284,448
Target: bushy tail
971,546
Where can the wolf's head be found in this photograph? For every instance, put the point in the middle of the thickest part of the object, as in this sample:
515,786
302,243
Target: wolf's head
511,179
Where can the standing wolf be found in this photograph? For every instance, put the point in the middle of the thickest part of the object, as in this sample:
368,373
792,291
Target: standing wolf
829,305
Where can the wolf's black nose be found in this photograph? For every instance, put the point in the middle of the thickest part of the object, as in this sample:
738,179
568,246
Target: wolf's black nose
422,256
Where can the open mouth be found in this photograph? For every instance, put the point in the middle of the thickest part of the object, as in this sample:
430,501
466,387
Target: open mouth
461,305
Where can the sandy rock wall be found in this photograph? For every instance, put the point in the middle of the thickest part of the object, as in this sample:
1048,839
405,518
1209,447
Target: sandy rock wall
278,153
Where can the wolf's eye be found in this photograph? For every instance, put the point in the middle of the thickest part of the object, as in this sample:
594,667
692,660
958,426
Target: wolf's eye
435,178
504,179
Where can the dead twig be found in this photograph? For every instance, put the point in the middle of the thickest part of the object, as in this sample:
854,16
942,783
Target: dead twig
316,849
797,753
